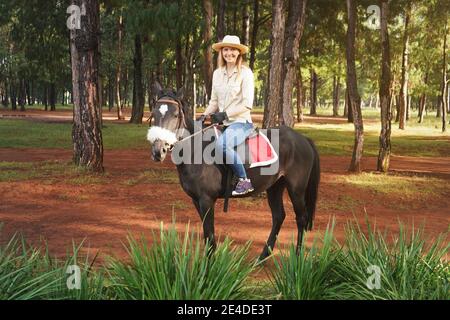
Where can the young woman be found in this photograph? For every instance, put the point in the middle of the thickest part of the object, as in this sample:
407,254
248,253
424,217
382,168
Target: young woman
230,104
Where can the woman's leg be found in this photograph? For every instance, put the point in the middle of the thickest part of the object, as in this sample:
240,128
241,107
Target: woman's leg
234,135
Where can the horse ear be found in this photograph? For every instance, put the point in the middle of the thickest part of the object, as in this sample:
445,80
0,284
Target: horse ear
157,88
180,93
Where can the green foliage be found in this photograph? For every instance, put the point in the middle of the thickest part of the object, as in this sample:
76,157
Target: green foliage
28,273
409,268
308,275
180,268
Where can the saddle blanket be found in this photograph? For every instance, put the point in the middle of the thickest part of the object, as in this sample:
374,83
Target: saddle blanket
260,150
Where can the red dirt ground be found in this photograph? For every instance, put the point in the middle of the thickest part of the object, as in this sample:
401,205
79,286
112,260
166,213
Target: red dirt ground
104,213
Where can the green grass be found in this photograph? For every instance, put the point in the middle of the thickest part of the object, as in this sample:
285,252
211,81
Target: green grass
401,186
406,266
29,273
418,140
48,172
28,134
178,266
307,275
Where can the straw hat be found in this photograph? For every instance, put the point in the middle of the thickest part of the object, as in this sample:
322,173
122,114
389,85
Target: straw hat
230,41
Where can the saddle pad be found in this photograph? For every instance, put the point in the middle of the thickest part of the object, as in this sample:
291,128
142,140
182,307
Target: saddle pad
261,150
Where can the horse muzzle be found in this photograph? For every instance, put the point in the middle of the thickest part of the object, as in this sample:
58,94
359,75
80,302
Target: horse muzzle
160,150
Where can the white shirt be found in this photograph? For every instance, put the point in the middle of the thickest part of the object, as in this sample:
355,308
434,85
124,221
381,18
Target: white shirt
232,94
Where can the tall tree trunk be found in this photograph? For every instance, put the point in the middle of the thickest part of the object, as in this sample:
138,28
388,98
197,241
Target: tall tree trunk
272,108
444,94
86,130
207,36
111,86
120,28
293,34
137,111
13,91
221,20
254,33
52,96
300,96
22,94
179,63
235,6
423,100
352,85
404,80
385,96
245,32
336,95
349,108
313,93
345,115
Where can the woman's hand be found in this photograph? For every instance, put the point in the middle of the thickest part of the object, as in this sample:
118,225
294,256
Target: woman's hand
219,117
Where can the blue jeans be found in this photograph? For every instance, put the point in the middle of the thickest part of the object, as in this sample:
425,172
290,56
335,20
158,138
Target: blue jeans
233,135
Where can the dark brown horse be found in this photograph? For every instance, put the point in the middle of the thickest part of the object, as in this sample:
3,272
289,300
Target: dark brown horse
298,170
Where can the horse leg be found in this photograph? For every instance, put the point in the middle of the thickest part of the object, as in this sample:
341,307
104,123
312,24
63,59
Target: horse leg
297,196
275,198
205,208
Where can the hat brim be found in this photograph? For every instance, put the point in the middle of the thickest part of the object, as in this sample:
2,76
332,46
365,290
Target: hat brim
242,48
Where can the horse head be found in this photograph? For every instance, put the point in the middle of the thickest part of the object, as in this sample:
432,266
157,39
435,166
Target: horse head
168,122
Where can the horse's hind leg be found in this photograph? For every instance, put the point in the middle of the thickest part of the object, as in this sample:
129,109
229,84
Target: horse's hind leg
275,198
205,209
297,196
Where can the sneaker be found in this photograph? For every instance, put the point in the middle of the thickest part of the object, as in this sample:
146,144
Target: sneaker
244,186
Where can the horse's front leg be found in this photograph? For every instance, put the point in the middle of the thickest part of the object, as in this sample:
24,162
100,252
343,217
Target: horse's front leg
205,208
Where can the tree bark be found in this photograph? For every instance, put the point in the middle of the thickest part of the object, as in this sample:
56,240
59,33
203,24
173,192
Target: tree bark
293,34
254,33
300,96
221,20
22,94
385,96
352,85
444,95
336,95
272,108
137,110
111,86
245,32
313,93
120,28
405,74
52,96
423,100
208,56
86,130
179,64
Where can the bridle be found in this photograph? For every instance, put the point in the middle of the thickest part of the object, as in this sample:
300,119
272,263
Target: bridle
181,117
179,106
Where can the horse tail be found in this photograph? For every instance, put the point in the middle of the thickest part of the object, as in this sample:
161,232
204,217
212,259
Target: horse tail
312,189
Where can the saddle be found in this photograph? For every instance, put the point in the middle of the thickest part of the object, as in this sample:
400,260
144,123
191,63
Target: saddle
259,152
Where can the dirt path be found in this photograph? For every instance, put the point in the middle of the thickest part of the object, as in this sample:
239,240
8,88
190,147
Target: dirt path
104,213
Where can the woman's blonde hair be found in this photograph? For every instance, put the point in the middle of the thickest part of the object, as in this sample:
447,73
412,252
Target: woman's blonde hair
222,63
